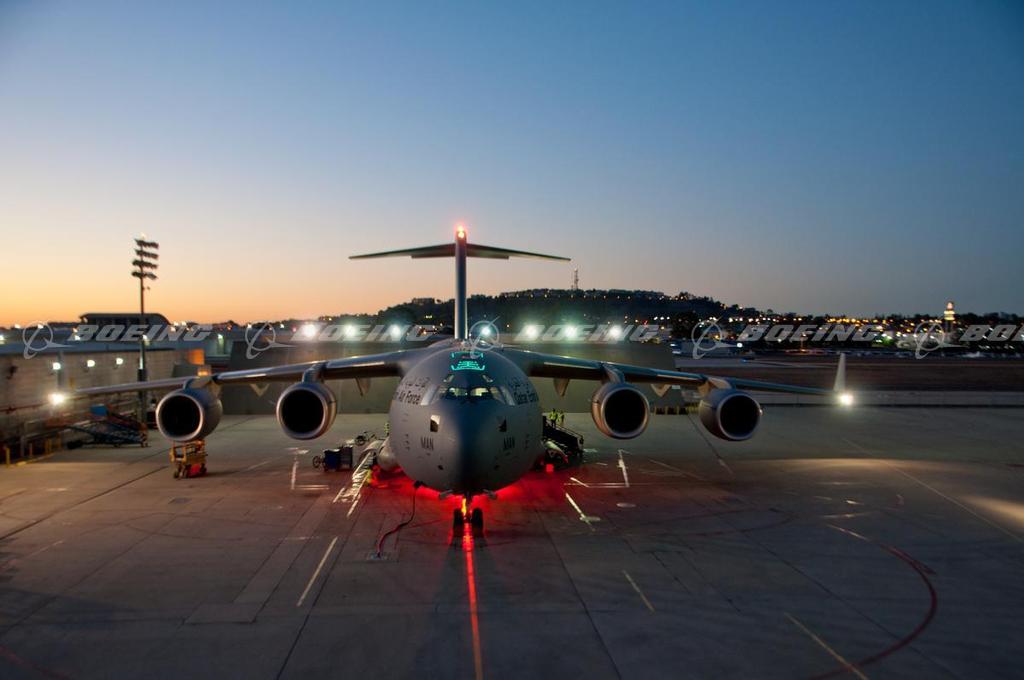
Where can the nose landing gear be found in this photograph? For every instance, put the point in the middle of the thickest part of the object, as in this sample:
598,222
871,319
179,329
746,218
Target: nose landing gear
460,517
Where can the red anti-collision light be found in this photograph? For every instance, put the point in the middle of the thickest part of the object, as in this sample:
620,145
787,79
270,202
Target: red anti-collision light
460,233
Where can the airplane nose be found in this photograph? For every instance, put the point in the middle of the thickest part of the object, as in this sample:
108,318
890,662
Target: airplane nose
472,440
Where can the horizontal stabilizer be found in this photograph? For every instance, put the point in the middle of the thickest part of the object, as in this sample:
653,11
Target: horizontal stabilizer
448,250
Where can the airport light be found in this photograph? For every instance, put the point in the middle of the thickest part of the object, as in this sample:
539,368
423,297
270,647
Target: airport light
615,332
309,330
2,338
532,332
571,332
144,265
349,330
396,331
118,361
846,399
485,331
460,232
57,398
56,366
90,363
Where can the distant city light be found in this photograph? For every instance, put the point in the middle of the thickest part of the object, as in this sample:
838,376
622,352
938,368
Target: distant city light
57,398
56,365
90,363
309,330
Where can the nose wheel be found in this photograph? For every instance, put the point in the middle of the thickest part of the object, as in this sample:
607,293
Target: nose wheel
476,522
475,518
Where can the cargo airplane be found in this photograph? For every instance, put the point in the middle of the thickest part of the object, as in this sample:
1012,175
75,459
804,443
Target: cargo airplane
465,418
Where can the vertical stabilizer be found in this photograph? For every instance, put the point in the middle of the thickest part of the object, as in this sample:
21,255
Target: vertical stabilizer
460,250
461,323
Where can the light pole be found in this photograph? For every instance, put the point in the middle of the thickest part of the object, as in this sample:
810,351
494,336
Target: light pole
144,264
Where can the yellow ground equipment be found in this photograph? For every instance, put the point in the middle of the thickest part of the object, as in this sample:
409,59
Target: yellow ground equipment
189,459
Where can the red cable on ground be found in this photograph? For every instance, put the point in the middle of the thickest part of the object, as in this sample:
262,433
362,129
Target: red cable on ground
398,527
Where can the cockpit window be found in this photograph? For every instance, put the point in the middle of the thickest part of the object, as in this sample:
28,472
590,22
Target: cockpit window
469,385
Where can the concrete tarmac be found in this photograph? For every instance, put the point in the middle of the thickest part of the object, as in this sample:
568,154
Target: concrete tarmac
863,543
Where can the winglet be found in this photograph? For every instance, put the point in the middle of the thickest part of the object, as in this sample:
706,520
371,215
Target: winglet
840,384
844,396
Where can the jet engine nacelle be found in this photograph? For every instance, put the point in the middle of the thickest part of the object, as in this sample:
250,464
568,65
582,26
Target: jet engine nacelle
730,414
306,410
620,410
188,414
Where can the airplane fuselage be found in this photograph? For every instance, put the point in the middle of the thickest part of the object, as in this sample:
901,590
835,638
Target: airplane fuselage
464,421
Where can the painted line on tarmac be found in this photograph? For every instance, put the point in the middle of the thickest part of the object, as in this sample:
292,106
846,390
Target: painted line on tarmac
474,618
824,645
607,485
639,592
986,520
679,470
586,519
622,466
319,567
253,467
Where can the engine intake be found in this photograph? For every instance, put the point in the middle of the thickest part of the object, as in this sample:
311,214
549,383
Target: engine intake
188,414
306,410
730,414
619,410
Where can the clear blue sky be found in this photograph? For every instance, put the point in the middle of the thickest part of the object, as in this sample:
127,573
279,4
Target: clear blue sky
809,156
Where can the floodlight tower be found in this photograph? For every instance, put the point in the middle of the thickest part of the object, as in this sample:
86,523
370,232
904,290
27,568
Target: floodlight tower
144,265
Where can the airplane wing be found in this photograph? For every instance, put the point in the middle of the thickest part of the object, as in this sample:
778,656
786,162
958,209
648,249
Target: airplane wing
539,365
368,366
